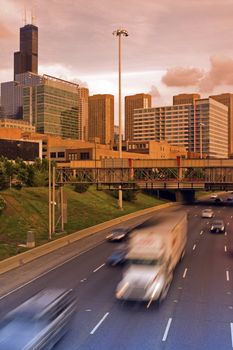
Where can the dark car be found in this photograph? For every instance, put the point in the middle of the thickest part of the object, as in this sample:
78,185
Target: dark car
118,234
218,200
118,256
230,198
217,226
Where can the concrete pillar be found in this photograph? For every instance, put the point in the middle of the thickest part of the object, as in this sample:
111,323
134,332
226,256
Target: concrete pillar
185,196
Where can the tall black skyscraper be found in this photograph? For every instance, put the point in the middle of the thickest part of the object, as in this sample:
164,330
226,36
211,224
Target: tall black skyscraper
26,60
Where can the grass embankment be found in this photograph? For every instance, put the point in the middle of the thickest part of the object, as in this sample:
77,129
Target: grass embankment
28,209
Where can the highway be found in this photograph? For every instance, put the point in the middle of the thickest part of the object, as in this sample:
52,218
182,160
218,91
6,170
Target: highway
196,315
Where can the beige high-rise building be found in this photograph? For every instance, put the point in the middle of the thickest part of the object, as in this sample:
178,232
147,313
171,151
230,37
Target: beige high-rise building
201,127
101,118
227,100
83,94
131,103
183,99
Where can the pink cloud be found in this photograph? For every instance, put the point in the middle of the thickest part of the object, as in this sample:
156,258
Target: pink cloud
220,73
178,76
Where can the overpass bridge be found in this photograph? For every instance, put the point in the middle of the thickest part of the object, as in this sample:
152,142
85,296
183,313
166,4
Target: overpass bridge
184,176
198,174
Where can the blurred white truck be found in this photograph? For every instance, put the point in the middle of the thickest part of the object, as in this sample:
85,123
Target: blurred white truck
155,248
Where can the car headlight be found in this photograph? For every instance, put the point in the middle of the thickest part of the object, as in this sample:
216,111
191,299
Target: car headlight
212,227
222,228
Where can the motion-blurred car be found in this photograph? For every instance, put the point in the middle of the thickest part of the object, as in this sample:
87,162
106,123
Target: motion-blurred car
230,198
217,226
214,196
207,213
118,234
218,200
118,256
38,323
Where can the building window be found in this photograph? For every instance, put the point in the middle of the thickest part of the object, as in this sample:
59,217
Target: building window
61,154
53,155
84,155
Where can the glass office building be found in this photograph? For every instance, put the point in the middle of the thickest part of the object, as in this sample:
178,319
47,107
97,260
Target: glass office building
53,107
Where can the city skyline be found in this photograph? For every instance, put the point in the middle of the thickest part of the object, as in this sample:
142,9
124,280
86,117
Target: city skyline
171,48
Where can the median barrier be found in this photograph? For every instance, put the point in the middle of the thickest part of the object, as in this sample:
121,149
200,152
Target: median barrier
34,253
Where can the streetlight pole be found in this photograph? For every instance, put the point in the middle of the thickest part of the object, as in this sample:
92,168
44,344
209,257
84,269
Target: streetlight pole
201,125
119,33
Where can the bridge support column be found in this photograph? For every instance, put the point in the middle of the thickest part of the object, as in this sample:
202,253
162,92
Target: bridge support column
185,196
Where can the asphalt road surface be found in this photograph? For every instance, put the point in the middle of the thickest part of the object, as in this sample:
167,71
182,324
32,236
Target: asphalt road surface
196,315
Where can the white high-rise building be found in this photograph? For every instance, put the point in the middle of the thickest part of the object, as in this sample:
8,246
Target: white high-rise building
201,127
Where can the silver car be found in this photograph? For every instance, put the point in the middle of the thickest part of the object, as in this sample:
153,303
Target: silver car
207,213
38,323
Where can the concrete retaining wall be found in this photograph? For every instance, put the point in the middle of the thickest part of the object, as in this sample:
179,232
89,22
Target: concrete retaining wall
26,257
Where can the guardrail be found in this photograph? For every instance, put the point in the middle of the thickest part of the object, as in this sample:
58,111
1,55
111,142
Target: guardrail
34,253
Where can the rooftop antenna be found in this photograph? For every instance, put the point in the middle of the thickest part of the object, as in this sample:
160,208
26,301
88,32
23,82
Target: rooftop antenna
33,17
25,16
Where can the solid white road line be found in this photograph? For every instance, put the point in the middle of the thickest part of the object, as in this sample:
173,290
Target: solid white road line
194,247
232,334
98,268
98,324
185,271
52,269
225,248
201,232
227,275
167,329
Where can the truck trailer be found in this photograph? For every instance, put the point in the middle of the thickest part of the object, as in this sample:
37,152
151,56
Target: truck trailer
155,248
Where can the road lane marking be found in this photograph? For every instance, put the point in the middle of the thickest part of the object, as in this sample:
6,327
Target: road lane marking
185,271
227,275
167,329
228,223
225,233
194,247
201,232
99,323
232,334
231,216
50,270
98,268
207,223
225,248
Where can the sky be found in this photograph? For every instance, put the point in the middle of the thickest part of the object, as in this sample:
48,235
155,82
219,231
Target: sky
173,46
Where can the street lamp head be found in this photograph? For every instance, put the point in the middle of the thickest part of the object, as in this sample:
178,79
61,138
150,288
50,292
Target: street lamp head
120,32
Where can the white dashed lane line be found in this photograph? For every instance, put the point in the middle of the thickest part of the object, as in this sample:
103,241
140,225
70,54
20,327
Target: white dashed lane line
227,275
185,272
99,323
194,246
98,268
201,232
225,233
167,329
225,248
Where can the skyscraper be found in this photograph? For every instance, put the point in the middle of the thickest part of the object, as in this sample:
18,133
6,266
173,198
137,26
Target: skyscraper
101,118
26,60
194,126
53,107
131,103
